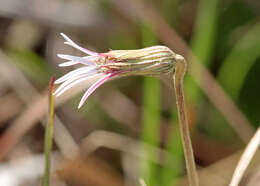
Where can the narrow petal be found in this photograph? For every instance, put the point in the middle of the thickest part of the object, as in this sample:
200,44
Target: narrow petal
74,73
95,86
82,60
70,83
71,43
66,83
69,63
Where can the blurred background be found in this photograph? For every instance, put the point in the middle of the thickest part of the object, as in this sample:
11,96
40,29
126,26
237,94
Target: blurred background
128,129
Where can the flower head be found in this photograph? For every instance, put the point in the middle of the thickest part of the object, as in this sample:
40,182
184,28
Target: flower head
153,60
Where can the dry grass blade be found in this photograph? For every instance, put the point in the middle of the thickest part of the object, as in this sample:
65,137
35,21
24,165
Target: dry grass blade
90,171
222,171
32,114
10,105
22,125
98,139
246,159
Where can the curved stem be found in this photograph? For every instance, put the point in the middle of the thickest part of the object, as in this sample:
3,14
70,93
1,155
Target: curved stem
180,69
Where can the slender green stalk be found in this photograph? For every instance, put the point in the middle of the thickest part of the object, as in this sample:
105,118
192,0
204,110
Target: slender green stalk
203,40
238,63
180,70
150,117
48,135
174,165
150,128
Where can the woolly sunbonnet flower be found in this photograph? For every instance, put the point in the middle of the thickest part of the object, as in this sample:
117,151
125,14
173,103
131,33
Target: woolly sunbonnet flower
153,60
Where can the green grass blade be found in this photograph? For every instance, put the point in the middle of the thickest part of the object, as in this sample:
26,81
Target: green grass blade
203,40
33,65
174,166
205,30
49,135
237,64
150,127
151,117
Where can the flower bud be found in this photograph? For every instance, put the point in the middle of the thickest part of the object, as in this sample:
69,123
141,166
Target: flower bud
153,60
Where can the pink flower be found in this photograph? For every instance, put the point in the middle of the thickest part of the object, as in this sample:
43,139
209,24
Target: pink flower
115,63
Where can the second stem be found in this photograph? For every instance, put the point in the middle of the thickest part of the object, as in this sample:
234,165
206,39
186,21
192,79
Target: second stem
180,70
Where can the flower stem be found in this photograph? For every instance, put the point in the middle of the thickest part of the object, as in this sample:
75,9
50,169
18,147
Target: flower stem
178,77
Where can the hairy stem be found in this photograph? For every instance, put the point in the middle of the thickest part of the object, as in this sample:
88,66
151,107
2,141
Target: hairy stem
180,70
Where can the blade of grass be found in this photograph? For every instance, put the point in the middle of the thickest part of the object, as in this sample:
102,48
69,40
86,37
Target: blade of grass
49,135
246,159
26,60
170,11
173,168
151,116
237,64
202,41
205,30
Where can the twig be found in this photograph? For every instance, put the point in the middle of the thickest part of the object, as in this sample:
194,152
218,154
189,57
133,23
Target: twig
246,159
180,69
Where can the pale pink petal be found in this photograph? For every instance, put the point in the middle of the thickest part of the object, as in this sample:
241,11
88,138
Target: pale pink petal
95,86
84,61
83,70
69,63
70,83
71,43
67,83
